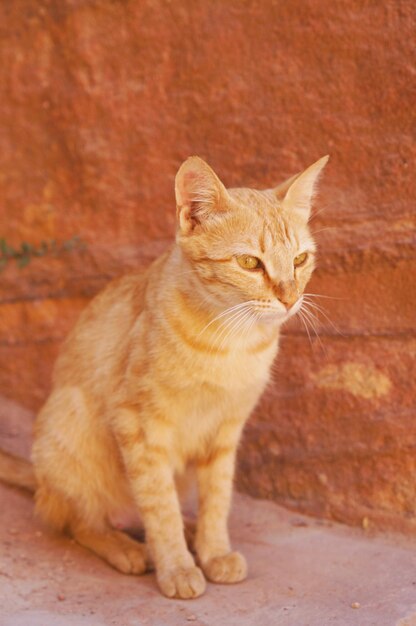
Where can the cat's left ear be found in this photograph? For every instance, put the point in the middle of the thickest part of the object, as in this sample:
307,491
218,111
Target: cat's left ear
200,195
297,193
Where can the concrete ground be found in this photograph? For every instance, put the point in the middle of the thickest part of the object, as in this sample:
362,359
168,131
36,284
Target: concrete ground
303,571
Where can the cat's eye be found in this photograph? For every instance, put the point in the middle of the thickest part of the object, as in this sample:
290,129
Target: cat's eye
248,262
300,259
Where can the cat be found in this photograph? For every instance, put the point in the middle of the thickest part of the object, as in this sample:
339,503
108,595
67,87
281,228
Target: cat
160,374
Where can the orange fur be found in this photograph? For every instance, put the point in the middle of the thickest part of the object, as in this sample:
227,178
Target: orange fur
157,378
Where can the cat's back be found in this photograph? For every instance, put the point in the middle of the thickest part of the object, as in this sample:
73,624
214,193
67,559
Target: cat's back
97,344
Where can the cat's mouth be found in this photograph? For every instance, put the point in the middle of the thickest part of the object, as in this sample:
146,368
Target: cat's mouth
277,312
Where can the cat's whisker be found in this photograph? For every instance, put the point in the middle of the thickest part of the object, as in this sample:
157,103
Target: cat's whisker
316,306
235,327
250,323
256,316
234,331
240,324
302,318
234,315
223,328
322,311
317,295
320,230
223,313
245,329
224,321
305,309
316,213
313,320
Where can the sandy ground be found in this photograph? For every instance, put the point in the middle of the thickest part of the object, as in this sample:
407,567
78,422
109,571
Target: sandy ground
303,571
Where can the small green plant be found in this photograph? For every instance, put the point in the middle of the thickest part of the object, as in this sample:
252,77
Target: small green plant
26,252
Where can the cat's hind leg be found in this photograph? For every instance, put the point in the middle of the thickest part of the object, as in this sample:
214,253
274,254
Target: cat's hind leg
119,550
113,546
80,479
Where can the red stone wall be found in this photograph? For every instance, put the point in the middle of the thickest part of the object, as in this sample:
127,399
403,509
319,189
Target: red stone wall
101,101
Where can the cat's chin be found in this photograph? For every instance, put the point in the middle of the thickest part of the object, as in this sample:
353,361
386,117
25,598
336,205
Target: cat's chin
274,317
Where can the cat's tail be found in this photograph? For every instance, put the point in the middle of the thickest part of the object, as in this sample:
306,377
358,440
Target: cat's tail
17,472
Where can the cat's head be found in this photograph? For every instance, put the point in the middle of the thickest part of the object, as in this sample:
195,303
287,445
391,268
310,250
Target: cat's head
247,245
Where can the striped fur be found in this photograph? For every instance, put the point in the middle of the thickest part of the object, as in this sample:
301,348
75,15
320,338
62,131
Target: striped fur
156,379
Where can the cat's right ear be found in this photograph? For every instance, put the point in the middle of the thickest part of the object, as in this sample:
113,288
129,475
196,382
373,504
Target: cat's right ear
200,195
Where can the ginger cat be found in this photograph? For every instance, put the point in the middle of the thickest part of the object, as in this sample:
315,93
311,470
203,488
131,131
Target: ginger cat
160,375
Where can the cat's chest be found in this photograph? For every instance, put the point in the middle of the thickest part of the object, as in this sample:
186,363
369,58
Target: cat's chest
198,416
236,371
210,384
210,398
205,388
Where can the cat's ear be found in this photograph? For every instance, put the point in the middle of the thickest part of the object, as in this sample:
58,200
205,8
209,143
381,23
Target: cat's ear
297,192
282,189
200,195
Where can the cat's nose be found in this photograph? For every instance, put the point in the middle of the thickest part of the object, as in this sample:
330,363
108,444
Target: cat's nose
287,292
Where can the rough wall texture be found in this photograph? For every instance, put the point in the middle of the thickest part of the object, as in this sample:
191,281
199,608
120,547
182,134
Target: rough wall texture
101,100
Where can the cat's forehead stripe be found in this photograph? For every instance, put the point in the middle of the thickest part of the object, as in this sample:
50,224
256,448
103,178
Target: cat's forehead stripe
276,230
262,244
270,238
291,234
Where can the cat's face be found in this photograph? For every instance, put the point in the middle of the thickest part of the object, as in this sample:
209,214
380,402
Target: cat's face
247,245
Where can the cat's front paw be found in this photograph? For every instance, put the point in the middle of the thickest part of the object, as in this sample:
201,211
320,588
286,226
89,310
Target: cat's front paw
230,568
184,583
